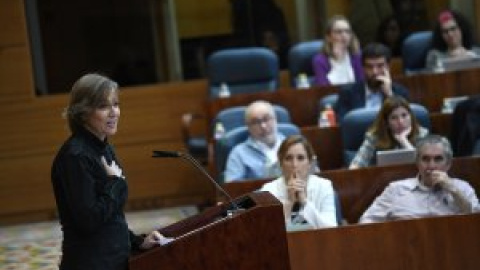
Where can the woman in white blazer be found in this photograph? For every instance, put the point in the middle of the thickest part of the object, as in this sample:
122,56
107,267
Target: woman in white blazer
308,200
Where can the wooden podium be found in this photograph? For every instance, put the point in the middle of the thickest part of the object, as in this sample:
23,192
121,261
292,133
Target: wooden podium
252,238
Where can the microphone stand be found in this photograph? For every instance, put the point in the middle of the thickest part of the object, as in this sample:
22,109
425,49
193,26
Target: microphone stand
230,212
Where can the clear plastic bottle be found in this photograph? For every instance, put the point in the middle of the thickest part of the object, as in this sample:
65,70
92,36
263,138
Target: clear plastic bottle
302,81
224,91
322,120
330,114
219,131
327,117
439,68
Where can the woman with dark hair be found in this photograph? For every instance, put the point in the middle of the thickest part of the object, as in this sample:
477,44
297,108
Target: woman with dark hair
395,127
390,34
452,39
89,184
339,60
308,200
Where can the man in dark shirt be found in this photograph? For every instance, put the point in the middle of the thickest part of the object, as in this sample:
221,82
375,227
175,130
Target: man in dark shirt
377,85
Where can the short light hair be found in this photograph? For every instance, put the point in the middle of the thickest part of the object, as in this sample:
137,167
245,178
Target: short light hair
257,103
435,139
87,94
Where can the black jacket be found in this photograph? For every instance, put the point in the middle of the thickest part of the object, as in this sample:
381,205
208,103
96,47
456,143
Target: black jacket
90,206
352,96
465,131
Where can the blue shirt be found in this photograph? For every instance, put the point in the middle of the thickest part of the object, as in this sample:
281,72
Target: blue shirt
248,161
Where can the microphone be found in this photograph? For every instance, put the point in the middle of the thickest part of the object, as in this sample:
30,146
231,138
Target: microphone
197,165
166,154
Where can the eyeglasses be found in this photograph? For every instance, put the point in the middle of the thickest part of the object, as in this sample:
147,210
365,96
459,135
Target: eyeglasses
259,121
449,29
341,31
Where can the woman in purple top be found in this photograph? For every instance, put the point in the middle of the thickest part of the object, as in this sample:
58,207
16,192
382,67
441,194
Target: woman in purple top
339,61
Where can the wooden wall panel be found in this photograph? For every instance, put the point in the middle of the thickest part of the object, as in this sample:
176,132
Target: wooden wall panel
12,20
34,129
203,18
15,73
15,63
25,186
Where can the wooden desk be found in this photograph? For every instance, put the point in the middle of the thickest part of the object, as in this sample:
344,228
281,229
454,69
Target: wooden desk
430,89
253,238
302,104
441,243
358,188
327,142
426,89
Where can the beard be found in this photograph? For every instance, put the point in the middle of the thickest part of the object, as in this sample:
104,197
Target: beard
269,139
374,84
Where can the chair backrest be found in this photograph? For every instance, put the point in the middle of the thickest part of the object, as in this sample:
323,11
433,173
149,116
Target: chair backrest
244,70
353,129
238,135
422,115
414,51
356,123
330,99
234,117
476,148
300,58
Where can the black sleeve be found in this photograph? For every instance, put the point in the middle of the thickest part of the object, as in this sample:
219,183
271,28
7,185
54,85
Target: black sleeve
91,204
136,240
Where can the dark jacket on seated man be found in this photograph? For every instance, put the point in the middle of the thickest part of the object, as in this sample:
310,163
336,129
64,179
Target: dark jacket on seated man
353,96
377,84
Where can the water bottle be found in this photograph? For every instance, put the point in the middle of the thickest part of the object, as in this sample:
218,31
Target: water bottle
439,68
330,114
302,81
224,91
322,119
327,117
219,131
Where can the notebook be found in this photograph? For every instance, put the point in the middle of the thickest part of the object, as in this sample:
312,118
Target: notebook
395,156
450,64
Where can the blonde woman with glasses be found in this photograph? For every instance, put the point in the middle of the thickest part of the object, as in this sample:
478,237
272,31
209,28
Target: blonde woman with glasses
339,60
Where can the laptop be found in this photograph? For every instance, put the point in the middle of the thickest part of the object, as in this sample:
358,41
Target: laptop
395,156
450,103
452,64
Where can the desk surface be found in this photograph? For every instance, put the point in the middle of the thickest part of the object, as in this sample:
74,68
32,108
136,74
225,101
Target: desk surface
431,243
426,89
358,188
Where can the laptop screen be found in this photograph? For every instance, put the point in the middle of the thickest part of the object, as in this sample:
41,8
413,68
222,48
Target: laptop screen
395,156
452,64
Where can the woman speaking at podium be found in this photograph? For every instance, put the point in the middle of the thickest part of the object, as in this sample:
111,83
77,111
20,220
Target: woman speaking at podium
308,200
89,184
